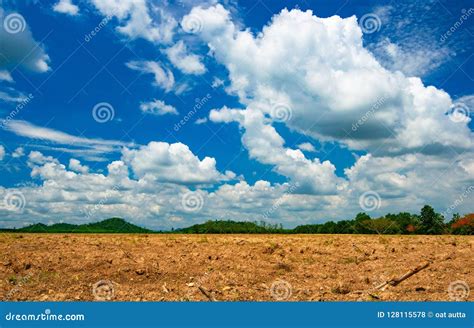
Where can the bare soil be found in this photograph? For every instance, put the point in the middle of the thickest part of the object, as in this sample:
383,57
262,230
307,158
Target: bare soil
57,267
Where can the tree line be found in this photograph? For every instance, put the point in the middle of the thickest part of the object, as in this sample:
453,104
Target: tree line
427,222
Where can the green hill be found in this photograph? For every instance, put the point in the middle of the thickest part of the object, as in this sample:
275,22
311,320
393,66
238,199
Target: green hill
113,225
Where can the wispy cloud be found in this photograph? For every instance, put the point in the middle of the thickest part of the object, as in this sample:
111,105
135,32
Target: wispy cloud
94,145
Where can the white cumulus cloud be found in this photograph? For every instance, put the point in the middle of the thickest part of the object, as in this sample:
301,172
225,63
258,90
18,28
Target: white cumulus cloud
66,7
176,163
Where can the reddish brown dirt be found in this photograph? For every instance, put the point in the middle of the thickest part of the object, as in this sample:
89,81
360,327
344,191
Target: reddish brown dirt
231,267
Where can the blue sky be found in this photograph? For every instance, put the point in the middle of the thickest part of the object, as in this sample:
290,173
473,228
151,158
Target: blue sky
171,113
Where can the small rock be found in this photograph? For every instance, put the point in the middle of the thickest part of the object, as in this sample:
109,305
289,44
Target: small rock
140,271
420,289
191,284
226,288
27,266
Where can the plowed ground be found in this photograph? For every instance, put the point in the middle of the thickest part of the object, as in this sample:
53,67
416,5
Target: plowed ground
232,267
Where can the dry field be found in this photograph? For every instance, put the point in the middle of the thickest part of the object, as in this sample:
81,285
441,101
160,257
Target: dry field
54,267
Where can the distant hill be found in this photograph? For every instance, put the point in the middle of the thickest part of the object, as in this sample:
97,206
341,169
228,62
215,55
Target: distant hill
113,225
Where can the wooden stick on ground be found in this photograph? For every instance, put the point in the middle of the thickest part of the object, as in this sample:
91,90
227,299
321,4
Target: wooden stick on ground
207,294
396,281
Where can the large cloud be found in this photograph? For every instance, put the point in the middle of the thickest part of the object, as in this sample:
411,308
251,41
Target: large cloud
319,70
314,75
76,194
176,163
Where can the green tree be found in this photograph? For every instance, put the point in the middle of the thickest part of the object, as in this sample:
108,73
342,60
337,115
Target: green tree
360,223
431,222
